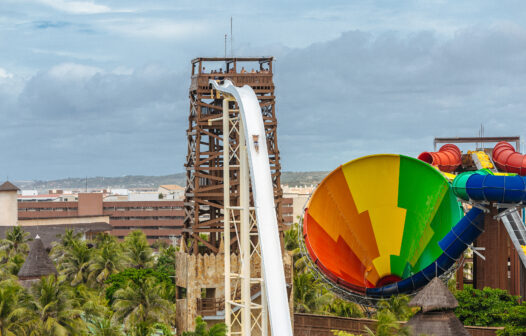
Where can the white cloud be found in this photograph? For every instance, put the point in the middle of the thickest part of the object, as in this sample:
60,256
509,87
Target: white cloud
77,7
73,71
156,28
5,74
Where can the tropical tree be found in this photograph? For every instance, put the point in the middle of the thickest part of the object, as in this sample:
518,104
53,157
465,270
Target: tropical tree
105,261
344,308
75,261
58,310
15,316
166,261
398,305
140,304
15,241
66,240
137,250
309,294
137,276
201,329
104,327
387,325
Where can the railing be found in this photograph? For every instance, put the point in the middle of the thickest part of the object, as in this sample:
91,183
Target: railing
320,325
210,306
252,79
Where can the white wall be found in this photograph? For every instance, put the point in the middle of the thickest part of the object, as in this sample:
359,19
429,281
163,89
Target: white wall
8,208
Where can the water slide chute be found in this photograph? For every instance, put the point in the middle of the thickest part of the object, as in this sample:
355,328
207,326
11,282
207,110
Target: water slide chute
263,194
509,160
447,159
386,224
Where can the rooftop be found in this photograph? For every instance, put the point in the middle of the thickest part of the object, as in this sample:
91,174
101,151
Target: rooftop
8,186
37,263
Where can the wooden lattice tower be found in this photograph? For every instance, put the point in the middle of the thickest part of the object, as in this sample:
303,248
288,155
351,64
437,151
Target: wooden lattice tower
204,162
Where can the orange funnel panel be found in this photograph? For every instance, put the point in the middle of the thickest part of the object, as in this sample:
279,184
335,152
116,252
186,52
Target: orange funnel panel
448,158
507,159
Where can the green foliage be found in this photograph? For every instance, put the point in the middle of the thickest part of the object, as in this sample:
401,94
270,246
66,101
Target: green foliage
77,302
202,330
137,250
57,308
310,296
387,325
15,241
398,305
487,307
136,276
492,307
342,333
344,308
105,261
140,306
166,261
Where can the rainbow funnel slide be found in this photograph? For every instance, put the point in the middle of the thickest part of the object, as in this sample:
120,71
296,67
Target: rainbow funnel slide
386,224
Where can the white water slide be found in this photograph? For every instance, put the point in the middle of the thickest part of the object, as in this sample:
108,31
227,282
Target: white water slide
263,194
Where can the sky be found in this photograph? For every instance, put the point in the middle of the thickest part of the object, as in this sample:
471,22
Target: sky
100,88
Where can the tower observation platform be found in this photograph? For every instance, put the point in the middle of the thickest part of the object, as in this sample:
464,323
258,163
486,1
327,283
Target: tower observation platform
204,161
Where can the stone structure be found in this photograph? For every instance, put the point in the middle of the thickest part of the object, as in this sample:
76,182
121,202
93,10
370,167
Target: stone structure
201,286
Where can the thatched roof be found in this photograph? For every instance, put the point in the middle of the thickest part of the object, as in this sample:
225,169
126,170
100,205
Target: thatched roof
8,186
37,263
434,296
443,323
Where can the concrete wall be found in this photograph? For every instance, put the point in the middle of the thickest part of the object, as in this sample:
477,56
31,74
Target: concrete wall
90,204
8,208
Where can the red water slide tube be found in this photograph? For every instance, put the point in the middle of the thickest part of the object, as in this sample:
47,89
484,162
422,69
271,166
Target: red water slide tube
448,158
509,160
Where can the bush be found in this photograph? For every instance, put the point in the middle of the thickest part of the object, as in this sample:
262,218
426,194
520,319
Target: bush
119,280
492,308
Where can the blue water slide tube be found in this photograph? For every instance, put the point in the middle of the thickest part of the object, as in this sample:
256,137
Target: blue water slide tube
493,188
452,245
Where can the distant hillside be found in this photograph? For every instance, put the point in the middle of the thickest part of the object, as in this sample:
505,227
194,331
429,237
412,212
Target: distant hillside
139,181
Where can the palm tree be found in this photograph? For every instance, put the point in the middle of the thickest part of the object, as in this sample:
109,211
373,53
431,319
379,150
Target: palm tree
166,260
140,304
137,250
309,294
66,241
398,305
58,311
15,316
344,308
15,241
387,325
106,260
202,330
74,262
104,327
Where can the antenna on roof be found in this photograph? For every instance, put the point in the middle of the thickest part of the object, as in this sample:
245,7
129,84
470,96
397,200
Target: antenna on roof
225,43
231,40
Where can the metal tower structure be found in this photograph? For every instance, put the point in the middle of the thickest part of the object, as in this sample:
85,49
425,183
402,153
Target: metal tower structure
243,316
220,221
204,202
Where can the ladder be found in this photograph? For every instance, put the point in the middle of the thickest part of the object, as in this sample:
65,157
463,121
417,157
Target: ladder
517,231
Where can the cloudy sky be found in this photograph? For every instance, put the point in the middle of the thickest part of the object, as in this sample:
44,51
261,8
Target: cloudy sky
91,88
